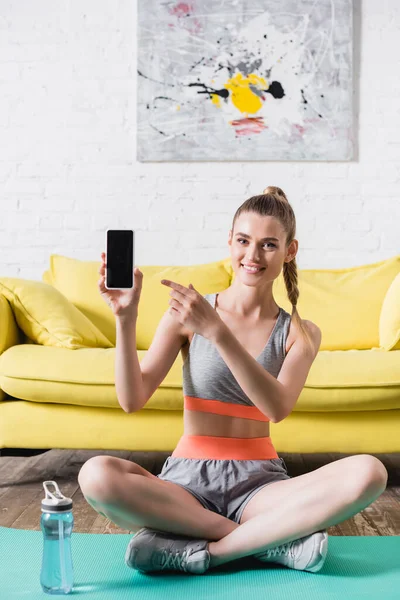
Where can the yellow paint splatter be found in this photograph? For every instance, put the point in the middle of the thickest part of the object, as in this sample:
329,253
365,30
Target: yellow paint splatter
215,99
242,96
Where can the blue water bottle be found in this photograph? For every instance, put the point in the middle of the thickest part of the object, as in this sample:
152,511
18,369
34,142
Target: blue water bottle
56,523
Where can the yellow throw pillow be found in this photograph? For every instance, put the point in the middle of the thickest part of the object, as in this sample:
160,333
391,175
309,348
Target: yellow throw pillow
77,280
48,318
389,321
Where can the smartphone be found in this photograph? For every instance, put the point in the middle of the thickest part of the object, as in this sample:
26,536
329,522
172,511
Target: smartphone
120,256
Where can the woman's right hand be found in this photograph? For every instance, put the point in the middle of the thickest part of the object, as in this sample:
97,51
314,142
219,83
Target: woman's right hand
123,303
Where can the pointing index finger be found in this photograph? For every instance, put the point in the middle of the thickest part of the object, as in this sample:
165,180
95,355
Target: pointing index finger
175,286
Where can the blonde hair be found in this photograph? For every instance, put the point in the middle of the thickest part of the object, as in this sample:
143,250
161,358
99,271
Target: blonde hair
273,202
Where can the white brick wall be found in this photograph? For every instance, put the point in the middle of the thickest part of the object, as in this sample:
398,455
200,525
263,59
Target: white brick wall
68,147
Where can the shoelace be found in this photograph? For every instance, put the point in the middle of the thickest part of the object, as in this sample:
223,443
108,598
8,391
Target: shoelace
279,550
175,560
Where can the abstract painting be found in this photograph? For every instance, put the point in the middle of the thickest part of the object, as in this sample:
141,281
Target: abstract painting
244,80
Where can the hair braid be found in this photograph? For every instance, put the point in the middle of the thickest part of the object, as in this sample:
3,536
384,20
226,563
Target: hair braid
290,278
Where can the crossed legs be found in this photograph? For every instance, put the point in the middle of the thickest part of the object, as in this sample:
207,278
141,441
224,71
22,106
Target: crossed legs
281,512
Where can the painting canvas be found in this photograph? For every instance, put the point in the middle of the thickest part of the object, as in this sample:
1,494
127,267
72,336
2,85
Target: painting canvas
244,80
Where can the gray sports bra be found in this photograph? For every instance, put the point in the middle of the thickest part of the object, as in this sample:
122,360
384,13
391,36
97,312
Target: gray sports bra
208,383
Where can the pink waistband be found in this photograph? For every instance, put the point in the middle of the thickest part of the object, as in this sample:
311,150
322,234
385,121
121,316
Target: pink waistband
223,408
220,448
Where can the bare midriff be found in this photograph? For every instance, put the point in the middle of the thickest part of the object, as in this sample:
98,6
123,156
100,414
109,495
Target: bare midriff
209,424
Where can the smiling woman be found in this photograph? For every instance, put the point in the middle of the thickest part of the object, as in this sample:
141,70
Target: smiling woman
262,345
269,213
246,362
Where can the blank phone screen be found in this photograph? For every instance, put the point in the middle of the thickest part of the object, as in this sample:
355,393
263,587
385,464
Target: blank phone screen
119,258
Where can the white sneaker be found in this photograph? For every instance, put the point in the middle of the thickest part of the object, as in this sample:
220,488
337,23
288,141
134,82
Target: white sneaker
305,554
152,550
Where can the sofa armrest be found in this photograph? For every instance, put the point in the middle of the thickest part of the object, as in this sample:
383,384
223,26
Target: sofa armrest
10,333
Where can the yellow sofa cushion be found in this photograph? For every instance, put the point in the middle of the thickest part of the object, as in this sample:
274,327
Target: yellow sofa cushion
47,317
77,280
348,380
389,322
345,303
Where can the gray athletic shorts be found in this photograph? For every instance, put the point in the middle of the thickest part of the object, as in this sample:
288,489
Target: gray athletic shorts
223,486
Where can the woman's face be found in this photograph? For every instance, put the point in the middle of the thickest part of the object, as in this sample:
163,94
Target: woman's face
268,254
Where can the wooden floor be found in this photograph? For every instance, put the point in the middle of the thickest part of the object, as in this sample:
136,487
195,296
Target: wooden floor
21,489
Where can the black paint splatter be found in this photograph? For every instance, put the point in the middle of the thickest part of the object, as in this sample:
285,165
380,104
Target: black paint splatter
164,98
197,63
275,89
150,79
306,102
209,90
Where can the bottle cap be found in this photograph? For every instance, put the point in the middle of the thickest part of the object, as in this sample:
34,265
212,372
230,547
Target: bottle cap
55,502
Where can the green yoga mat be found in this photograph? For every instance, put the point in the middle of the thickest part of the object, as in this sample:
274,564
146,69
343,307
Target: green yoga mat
355,568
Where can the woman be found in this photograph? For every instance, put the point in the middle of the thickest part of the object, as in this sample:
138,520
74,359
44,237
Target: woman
224,493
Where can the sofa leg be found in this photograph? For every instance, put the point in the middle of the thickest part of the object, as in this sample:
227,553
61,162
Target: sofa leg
22,451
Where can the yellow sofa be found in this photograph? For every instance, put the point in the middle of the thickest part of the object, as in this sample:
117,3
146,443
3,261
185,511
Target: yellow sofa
57,384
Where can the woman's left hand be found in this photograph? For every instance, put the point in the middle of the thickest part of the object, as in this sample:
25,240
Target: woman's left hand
192,310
